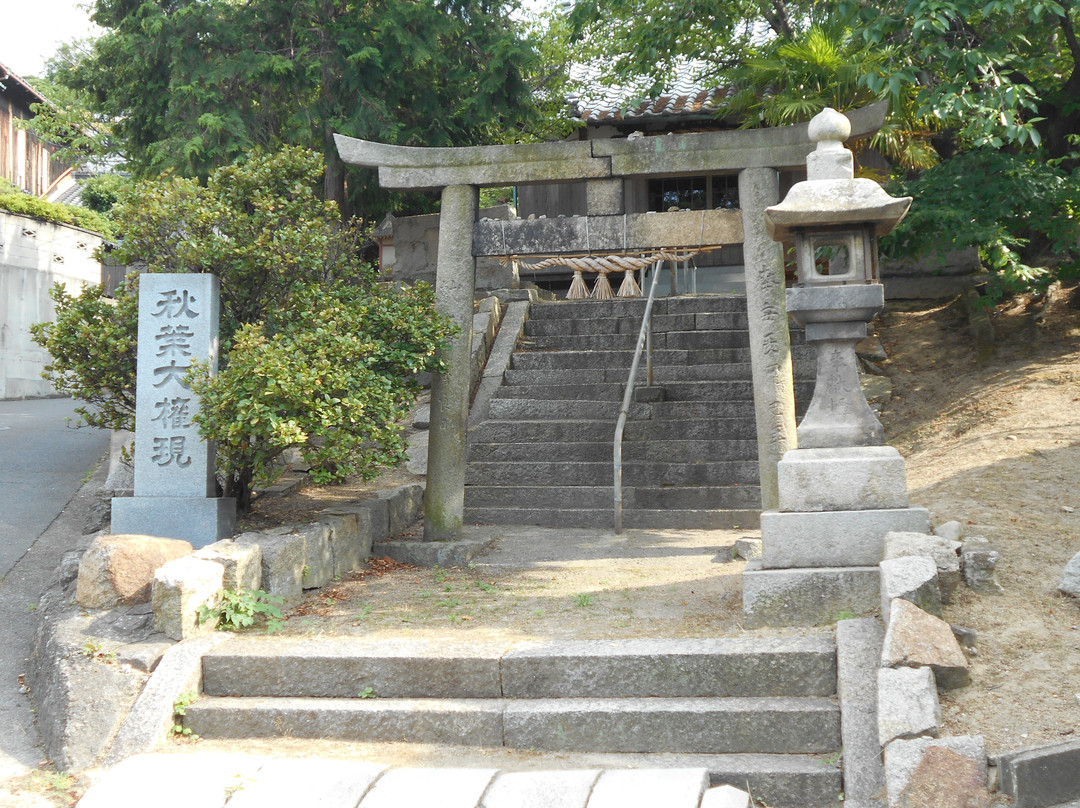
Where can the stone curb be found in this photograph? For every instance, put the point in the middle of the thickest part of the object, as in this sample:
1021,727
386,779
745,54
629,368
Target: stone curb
498,361
151,719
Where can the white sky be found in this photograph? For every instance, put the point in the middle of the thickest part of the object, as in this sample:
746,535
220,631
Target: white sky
31,30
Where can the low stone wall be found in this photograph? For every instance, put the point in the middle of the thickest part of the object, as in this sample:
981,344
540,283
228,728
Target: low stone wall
34,255
89,667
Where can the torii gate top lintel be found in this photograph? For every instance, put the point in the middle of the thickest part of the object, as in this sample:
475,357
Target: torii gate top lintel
422,167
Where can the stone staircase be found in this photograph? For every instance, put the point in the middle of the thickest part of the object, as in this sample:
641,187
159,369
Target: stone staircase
543,456
756,712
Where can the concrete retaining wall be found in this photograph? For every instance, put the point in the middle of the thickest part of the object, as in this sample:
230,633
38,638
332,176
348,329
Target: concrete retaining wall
35,254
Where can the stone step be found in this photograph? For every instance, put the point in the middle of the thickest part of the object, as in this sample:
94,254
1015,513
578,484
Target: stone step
538,472
578,497
705,321
739,390
726,667
510,409
605,519
594,448
664,340
555,359
662,374
773,725
567,430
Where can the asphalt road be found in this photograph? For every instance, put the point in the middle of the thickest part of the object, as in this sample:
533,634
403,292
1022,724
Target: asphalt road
43,461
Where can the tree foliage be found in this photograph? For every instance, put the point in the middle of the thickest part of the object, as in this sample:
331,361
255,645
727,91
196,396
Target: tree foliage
190,85
315,354
1019,212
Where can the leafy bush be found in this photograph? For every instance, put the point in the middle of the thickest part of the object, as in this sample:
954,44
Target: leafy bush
18,202
314,352
93,345
102,192
1021,214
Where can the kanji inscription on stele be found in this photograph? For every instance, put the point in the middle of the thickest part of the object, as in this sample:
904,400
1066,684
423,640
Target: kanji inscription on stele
178,325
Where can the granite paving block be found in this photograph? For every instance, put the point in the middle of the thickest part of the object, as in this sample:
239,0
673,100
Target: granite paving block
309,783
427,788
546,789
648,788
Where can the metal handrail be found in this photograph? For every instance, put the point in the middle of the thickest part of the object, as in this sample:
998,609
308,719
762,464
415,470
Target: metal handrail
644,338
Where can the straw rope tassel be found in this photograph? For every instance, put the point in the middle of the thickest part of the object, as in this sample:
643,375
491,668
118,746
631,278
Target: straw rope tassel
629,287
578,289
602,288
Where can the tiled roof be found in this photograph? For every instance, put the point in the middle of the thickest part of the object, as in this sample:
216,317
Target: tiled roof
19,86
686,97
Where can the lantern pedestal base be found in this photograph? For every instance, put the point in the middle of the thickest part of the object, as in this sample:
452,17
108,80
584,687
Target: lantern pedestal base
834,538
199,520
808,597
846,479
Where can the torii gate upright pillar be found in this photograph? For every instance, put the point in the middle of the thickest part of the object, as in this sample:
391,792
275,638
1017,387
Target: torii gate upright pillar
770,343
455,270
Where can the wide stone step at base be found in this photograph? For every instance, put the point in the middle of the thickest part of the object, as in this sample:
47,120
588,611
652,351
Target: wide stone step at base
492,669
636,518
777,725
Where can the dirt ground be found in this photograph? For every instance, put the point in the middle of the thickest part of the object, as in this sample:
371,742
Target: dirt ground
995,445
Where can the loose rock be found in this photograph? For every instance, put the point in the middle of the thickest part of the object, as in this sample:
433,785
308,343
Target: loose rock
950,530
917,639
1070,578
945,779
747,548
242,563
912,578
908,704
945,552
979,559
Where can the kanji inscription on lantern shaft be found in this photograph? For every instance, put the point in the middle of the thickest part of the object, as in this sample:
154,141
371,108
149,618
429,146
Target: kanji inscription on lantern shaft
178,324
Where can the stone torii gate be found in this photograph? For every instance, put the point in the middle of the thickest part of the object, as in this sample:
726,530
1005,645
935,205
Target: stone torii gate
757,155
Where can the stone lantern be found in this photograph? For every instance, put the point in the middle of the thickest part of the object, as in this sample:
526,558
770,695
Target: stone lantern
842,490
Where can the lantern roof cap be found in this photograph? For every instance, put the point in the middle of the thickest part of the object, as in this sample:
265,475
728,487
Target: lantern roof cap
831,196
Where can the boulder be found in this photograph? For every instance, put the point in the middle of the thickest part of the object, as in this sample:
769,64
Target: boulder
979,558
180,588
911,578
118,570
915,639
908,704
945,552
241,563
945,779
1070,577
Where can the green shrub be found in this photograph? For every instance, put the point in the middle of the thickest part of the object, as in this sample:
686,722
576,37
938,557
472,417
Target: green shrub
18,202
315,353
